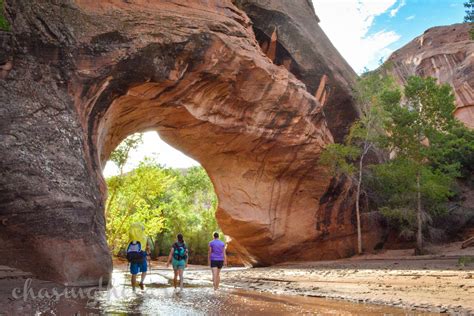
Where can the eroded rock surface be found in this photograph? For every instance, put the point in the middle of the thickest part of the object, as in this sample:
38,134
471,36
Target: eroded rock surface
83,75
446,53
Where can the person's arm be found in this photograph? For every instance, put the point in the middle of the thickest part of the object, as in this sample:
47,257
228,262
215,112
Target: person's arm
225,255
169,257
148,250
209,256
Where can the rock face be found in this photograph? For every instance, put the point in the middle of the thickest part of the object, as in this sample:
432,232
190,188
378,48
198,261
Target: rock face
446,53
79,76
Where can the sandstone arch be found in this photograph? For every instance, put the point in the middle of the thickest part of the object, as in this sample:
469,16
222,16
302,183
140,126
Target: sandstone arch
85,74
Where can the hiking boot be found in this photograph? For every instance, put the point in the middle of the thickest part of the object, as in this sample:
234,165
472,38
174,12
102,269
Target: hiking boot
142,286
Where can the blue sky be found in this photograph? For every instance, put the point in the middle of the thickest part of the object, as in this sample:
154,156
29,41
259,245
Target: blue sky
416,16
366,30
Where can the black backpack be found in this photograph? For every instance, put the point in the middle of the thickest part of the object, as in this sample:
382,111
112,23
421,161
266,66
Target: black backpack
135,253
179,251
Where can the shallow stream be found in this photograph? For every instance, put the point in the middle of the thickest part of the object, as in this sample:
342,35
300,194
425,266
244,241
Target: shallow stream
197,298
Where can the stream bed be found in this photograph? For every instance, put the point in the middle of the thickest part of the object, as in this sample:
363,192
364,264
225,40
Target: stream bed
197,298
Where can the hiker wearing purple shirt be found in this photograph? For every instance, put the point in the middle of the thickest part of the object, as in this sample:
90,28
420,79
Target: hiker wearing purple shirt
216,258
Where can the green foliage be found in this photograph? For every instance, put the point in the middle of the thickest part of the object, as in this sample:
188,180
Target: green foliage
395,183
190,210
339,158
136,200
427,112
364,134
120,155
167,201
453,150
402,219
423,136
470,15
4,25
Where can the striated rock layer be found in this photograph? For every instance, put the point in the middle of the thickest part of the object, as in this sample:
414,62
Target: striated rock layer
446,53
79,76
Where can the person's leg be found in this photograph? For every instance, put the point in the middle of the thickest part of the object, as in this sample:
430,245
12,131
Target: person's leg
143,269
142,285
134,272
218,277
181,281
214,277
175,280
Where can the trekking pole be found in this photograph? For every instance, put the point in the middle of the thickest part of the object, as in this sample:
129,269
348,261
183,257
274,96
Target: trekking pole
149,260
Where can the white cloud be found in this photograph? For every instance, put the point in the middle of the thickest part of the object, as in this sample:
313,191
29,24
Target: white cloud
156,148
347,23
411,17
394,12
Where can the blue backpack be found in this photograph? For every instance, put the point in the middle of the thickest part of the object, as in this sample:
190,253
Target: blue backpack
135,253
179,251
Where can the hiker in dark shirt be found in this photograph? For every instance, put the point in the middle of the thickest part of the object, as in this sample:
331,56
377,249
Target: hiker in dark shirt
179,257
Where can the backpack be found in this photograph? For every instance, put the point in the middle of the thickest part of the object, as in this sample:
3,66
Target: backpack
179,252
134,253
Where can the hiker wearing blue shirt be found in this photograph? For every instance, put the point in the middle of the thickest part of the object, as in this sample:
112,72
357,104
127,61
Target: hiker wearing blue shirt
137,253
217,258
179,257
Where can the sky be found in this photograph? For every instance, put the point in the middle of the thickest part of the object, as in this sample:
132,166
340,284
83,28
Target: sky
364,32
152,147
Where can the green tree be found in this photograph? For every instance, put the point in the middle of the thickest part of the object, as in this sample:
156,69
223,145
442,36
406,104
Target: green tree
137,200
398,192
348,159
120,157
425,115
470,16
168,201
191,209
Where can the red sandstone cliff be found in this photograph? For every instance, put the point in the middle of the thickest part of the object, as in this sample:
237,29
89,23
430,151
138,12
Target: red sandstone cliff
446,53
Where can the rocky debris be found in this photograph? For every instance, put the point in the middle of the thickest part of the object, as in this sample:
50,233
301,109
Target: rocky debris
445,53
86,74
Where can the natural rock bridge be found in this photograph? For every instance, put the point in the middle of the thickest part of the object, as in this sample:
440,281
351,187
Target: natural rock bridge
253,90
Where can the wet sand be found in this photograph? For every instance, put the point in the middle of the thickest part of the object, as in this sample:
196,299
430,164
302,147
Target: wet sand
435,283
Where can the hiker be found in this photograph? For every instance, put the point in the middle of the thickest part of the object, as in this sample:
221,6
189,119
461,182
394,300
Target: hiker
136,254
179,257
216,258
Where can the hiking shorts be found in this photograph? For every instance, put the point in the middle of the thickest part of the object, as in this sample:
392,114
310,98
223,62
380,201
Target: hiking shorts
217,264
178,264
135,268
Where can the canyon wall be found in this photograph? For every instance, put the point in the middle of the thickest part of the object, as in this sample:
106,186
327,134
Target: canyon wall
447,54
